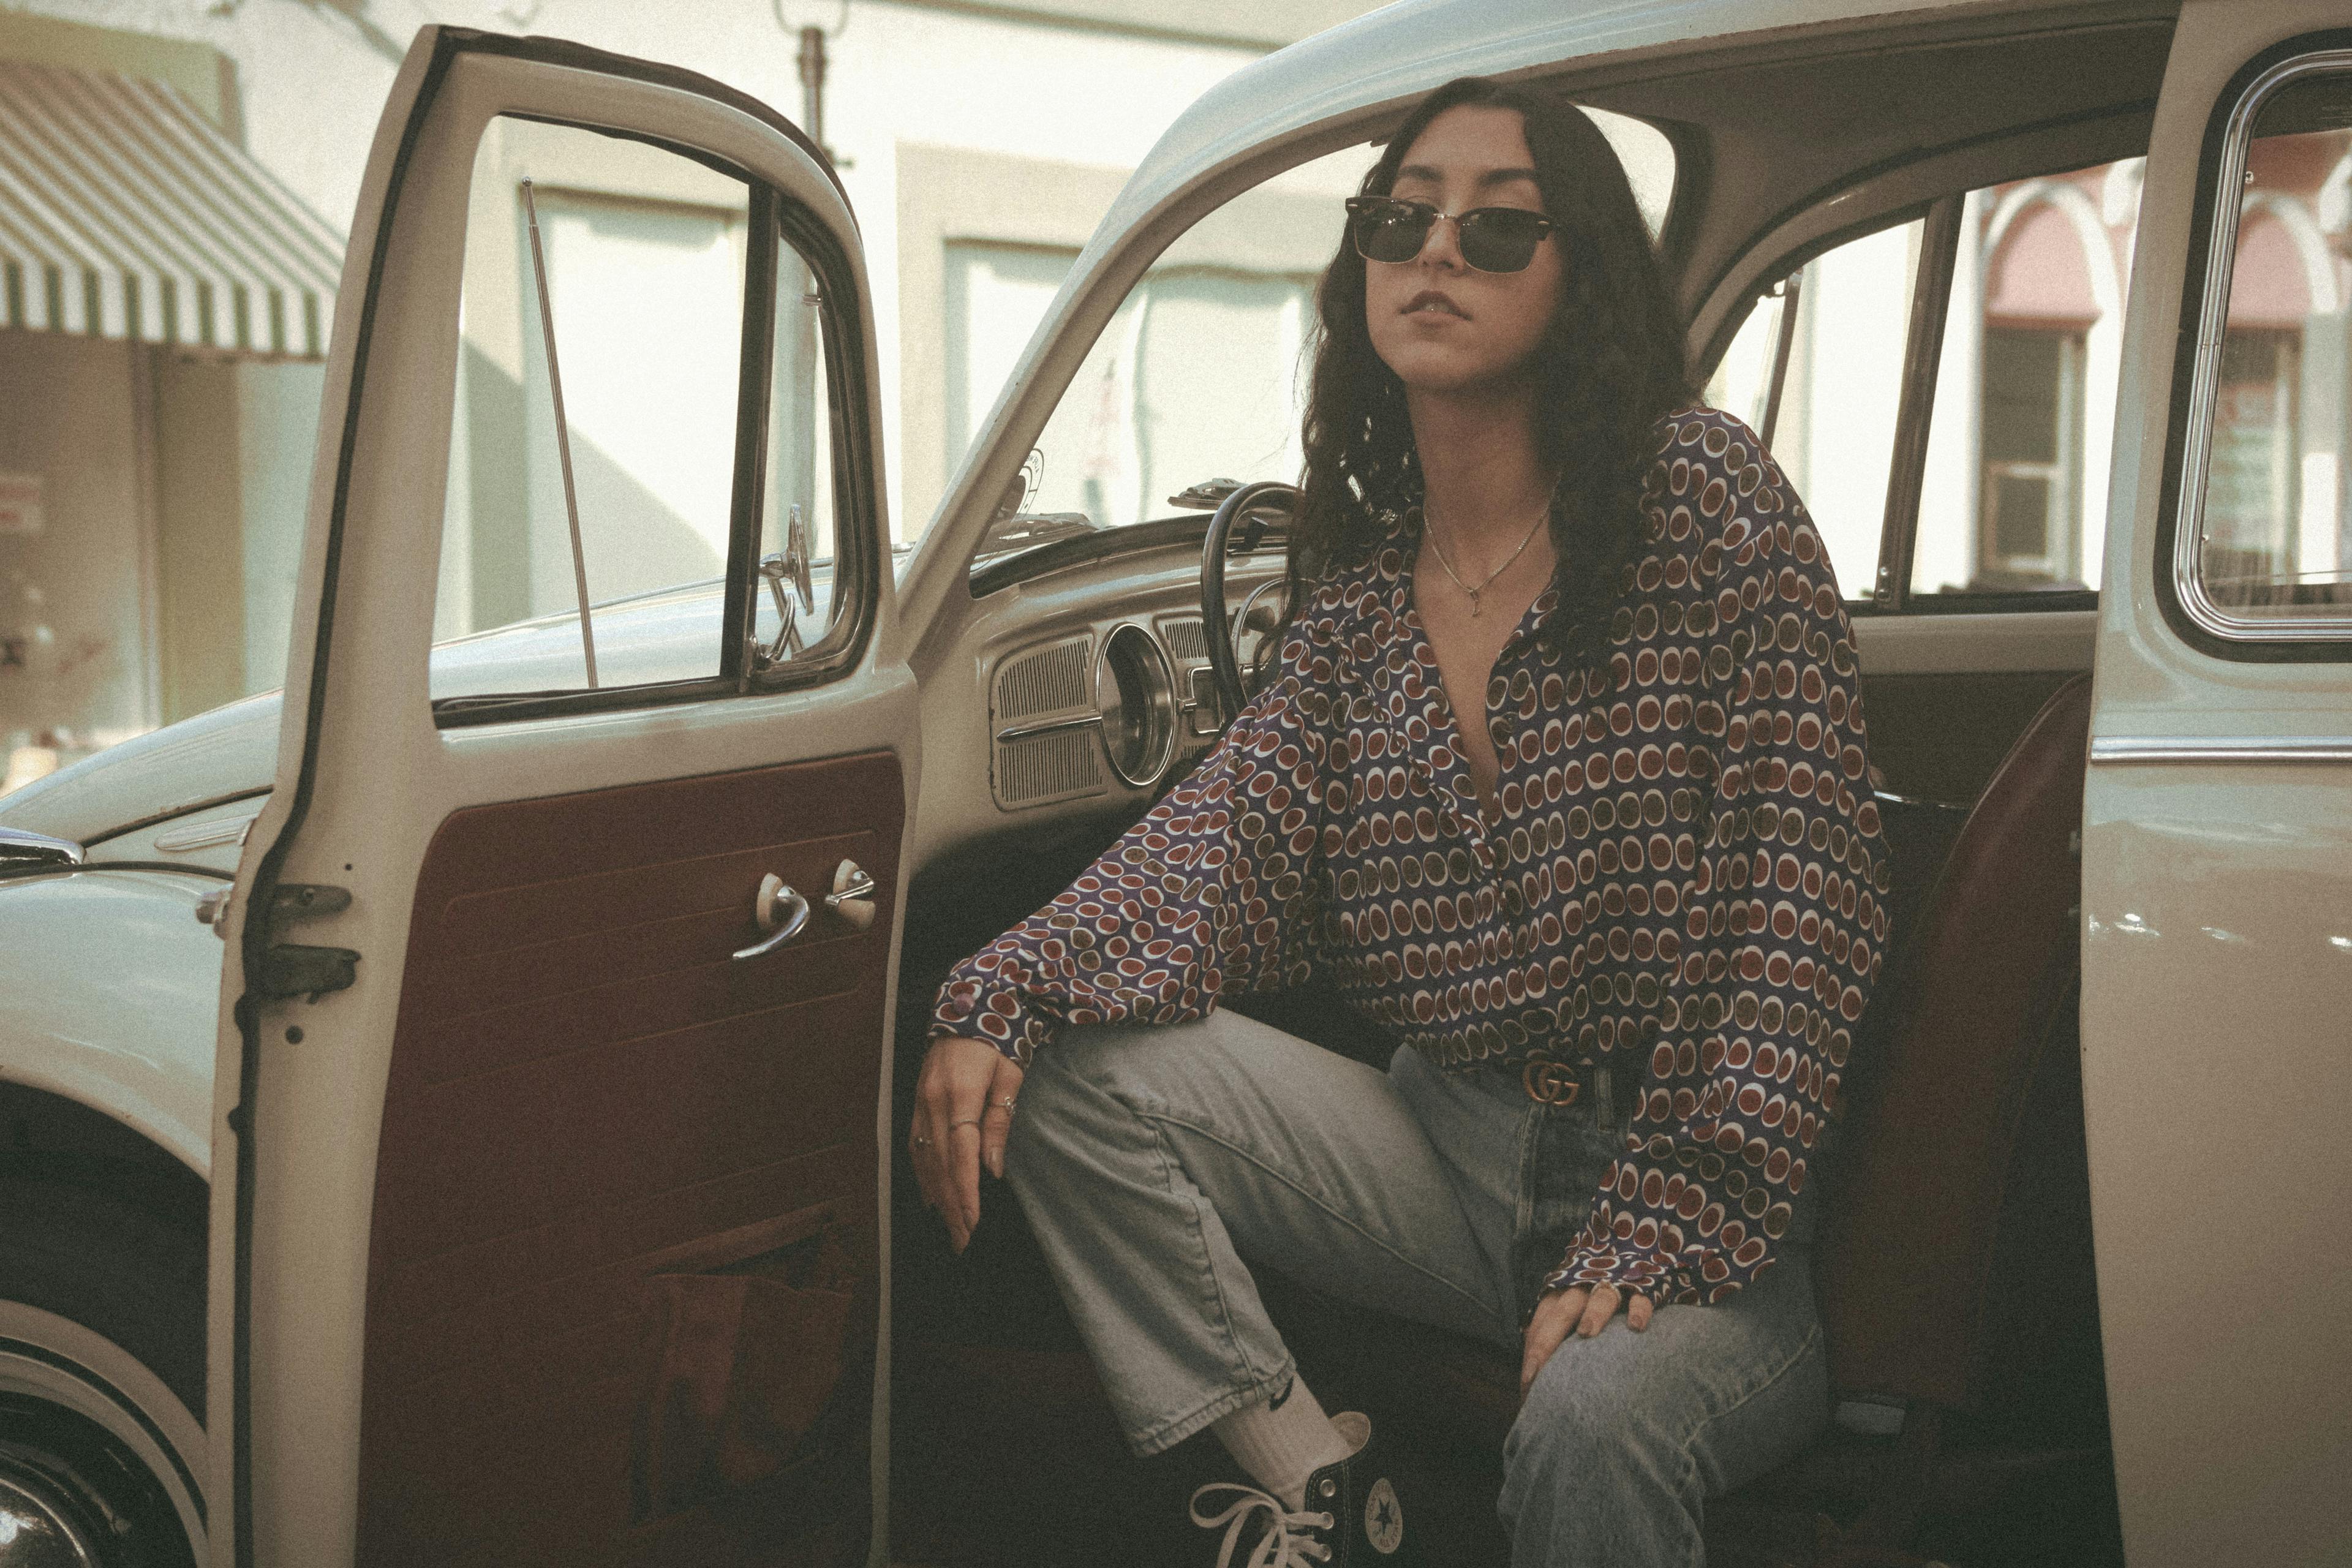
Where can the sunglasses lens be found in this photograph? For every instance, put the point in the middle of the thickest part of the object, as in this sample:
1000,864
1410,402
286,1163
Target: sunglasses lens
1500,240
1492,240
1388,230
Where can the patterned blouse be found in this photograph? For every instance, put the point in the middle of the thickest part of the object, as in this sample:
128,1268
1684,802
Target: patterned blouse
1686,868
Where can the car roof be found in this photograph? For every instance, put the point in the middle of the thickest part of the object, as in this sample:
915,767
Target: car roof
1391,56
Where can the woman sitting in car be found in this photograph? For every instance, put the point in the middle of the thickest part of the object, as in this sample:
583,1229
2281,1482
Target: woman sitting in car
1559,777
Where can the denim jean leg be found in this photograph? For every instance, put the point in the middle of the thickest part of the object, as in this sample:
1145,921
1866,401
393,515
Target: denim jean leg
1152,1161
1623,1437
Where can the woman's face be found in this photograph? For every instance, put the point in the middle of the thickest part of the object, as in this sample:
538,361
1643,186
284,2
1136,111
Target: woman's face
1441,324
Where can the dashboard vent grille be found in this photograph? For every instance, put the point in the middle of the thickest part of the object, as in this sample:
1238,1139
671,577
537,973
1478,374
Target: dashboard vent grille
1053,679
1183,635
1038,768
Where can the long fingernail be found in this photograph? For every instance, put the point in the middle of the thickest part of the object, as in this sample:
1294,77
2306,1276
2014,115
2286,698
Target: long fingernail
996,1166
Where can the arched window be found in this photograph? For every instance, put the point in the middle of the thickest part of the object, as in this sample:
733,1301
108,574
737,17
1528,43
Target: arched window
2041,304
2253,491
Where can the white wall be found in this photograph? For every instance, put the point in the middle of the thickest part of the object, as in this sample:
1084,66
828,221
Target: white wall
92,563
277,425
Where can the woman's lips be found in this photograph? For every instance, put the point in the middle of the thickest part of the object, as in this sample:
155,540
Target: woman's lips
1431,300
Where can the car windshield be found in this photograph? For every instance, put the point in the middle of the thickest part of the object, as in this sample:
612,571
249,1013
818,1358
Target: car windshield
1200,376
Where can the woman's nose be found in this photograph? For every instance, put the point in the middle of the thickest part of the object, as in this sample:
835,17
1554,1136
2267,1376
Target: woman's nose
1441,246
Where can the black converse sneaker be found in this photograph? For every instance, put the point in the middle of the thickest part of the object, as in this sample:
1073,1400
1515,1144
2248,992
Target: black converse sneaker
1351,1518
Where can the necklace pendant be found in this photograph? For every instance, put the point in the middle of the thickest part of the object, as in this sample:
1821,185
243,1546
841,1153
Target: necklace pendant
1474,603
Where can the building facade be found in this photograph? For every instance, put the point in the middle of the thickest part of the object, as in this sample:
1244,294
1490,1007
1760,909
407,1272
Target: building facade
152,478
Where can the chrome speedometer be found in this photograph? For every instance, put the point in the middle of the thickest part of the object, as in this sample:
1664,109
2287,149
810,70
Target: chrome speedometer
1135,690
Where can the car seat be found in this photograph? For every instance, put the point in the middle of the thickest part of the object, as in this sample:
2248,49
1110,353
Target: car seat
1952,1263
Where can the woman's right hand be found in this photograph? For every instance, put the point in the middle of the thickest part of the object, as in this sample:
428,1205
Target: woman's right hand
963,1112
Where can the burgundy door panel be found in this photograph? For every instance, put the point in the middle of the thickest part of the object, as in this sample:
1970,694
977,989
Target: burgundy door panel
624,1272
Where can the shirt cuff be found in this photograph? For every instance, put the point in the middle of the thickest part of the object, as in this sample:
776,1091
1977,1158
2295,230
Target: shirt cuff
1630,1270
1015,1033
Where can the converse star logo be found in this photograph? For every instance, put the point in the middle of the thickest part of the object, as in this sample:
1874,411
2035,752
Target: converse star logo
1383,1517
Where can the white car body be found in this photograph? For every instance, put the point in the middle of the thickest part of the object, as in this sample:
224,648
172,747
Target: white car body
2214,801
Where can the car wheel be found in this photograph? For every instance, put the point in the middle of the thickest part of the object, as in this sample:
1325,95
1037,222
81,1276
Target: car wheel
101,1354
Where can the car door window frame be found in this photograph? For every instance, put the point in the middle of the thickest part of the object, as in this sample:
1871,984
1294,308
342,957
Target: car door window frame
773,220
858,542
1891,593
1907,455
2213,232
1923,356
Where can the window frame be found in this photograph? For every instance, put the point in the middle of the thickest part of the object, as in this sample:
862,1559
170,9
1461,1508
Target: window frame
2214,229
1943,207
2062,475
1923,358
772,219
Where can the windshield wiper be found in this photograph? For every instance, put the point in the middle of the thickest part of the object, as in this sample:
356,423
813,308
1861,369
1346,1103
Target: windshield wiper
1026,531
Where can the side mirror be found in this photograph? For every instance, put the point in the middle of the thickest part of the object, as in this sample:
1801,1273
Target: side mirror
790,568
796,557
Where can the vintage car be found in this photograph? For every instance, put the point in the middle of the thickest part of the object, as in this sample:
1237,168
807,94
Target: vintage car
455,1113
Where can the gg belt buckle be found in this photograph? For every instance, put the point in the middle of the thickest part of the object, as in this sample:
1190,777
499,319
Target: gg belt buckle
1548,1082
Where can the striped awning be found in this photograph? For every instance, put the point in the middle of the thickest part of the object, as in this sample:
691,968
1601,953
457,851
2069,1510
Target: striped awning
125,214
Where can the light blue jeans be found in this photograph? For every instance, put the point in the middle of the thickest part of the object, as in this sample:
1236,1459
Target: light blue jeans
1152,1161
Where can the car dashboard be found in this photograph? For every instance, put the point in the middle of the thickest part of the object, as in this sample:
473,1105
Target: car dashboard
1089,690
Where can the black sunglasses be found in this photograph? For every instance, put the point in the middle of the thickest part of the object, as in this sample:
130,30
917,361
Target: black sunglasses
1492,240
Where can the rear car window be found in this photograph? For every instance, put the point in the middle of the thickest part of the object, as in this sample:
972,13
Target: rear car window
2013,492
2262,535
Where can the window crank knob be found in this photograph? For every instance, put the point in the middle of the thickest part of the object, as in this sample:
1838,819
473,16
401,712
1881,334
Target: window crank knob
852,894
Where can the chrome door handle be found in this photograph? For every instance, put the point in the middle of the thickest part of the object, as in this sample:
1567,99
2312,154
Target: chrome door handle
781,912
852,894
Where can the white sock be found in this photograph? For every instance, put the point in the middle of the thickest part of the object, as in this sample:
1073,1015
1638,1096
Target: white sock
1281,1445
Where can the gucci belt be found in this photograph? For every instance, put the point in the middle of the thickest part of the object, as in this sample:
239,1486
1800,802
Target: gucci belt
1548,1082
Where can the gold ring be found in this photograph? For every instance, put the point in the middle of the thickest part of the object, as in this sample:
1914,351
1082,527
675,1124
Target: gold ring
967,1121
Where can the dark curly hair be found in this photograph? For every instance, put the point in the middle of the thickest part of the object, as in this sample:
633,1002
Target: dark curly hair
1610,364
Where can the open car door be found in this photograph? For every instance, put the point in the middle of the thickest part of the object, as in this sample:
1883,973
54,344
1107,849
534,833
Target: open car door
2217,849
546,1215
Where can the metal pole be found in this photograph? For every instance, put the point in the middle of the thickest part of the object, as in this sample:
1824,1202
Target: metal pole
813,83
563,434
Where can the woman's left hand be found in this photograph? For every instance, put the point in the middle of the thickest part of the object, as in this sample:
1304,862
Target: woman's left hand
1578,1311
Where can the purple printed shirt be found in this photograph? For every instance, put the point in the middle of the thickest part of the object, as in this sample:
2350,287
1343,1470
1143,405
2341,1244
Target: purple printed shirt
1685,875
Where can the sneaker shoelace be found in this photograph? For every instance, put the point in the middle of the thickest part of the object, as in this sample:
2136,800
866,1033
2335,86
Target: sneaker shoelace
1285,1544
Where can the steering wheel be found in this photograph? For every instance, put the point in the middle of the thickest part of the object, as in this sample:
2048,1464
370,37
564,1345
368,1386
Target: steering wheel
1245,509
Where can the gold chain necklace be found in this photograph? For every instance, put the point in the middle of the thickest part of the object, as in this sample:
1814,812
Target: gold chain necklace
1488,581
